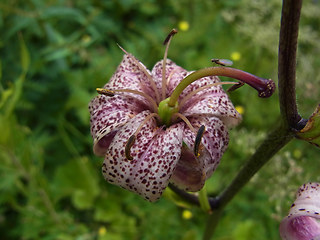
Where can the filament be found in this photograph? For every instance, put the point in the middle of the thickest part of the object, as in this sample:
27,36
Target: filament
179,115
110,93
153,84
198,133
133,137
186,98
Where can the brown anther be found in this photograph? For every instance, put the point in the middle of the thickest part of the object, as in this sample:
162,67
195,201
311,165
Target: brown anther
198,140
173,32
235,86
127,149
106,92
222,62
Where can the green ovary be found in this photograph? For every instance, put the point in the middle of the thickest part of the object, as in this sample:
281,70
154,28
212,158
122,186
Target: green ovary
165,111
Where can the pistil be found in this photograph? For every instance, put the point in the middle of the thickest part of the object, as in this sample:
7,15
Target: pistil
265,87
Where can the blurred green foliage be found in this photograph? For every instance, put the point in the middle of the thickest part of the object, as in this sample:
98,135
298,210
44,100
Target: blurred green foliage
53,54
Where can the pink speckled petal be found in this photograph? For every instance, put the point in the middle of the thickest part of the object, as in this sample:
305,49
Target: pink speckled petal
130,76
215,140
174,75
107,115
211,102
302,222
155,154
191,172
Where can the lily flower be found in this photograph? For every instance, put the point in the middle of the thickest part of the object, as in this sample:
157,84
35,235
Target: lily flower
302,222
164,125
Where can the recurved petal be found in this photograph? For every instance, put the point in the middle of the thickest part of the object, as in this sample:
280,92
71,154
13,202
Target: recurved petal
155,154
211,101
302,222
215,140
191,172
107,115
174,75
132,74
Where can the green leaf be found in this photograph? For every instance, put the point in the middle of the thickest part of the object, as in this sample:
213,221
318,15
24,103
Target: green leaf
311,132
11,95
25,57
77,179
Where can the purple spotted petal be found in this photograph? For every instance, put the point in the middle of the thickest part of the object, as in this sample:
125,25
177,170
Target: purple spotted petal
302,222
191,172
108,114
174,75
212,101
155,154
132,74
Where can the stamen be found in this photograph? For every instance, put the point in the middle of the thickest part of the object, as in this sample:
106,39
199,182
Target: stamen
164,62
133,137
170,76
128,147
198,140
198,133
179,115
153,84
170,35
236,86
106,92
186,98
222,62
111,93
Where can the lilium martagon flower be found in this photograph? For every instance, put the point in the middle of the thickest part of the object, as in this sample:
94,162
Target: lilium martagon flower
165,126
302,222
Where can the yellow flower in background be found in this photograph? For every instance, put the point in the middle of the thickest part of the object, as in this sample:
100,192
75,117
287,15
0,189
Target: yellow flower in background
297,153
102,231
235,56
183,26
240,109
86,38
186,214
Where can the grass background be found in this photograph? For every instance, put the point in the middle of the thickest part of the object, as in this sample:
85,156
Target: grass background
54,53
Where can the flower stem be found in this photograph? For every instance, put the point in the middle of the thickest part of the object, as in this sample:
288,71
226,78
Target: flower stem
282,134
287,61
204,201
265,87
278,138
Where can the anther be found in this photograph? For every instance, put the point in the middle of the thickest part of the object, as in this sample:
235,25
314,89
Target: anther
105,92
127,149
235,86
222,62
198,140
164,62
170,35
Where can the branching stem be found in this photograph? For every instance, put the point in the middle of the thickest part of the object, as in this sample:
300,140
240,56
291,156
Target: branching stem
279,136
